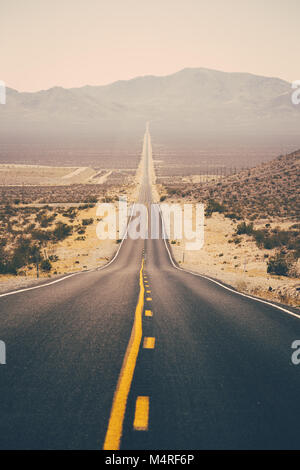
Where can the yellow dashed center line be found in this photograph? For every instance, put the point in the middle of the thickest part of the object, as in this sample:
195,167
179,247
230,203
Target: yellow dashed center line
115,424
141,416
149,342
148,298
148,313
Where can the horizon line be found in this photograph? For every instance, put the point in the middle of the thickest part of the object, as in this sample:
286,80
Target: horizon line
145,76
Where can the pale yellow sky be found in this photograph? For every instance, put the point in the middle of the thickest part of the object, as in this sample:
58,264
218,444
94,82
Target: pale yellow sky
70,43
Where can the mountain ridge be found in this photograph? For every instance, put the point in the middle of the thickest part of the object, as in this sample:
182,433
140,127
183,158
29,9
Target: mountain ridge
138,77
193,102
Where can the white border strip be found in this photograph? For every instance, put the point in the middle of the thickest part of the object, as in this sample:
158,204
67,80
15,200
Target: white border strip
219,283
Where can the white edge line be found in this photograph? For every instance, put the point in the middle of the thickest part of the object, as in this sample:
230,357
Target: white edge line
219,283
73,274
43,285
125,236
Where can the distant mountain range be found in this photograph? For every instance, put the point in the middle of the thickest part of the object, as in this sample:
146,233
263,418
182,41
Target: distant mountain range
190,103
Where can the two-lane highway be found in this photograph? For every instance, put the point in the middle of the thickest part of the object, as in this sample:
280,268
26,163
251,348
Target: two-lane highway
143,355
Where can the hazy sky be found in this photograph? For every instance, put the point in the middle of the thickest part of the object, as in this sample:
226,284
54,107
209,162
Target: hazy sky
71,43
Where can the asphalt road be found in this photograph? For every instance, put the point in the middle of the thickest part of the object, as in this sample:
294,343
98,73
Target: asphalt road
219,375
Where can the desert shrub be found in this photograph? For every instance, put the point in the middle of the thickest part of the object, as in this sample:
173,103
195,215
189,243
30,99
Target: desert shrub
24,253
3,260
91,199
45,265
87,221
214,206
43,220
278,265
269,243
41,235
259,237
278,239
244,229
29,228
233,216
69,213
46,221
8,210
174,191
61,231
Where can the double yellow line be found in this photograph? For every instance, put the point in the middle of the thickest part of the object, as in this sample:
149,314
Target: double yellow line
115,424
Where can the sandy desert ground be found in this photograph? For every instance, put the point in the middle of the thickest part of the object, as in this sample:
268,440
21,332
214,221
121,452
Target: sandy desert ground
242,266
74,253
